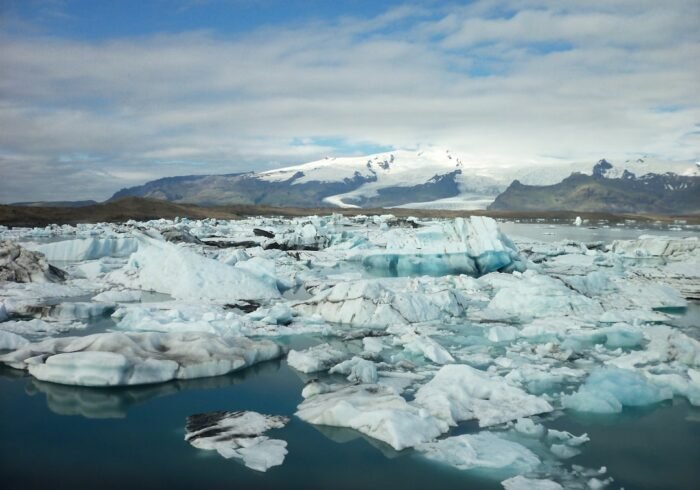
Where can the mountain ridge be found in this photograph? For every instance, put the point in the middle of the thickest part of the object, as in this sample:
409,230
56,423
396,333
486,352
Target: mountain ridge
402,178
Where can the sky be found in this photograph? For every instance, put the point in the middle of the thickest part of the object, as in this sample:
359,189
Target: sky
98,95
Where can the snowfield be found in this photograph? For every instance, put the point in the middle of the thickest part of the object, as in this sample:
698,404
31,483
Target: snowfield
410,327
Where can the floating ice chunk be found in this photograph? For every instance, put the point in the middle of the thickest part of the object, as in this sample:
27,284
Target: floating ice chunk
474,246
88,248
357,370
306,237
622,335
521,483
81,311
501,333
578,221
666,344
375,411
459,392
373,345
239,435
11,341
595,283
528,427
534,295
562,451
17,264
118,296
384,302
425,346
36,326
168,268
684,384
607,390
314,387
116,359
655,246
279,314
484,450
317,358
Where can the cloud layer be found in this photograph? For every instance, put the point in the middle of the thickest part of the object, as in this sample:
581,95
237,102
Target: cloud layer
511,82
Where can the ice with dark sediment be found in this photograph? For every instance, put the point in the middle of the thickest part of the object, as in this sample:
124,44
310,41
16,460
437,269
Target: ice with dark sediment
239,435
119,359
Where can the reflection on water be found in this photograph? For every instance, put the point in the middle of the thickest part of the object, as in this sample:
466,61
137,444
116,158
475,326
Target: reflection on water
101,403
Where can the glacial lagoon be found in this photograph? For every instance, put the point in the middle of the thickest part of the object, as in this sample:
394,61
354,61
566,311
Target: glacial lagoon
113,437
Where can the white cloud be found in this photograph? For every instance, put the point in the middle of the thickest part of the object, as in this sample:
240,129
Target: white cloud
579,80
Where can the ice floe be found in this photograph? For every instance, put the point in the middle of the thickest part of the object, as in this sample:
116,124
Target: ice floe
118,359
375,411
239,435
481,451
460,392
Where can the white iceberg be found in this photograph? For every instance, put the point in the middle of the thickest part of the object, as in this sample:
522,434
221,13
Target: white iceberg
381,302
459,392
357,370
317,358
167,268
375,411
239,435
117,359
483,451
521,483
607,390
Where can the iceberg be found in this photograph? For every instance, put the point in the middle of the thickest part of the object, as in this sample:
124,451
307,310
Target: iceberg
317,358
183,274
119,359
18,264
88,248
481,451
534,295
239,435
473,246
607,390
375,411
381,302
459,392
11,341
521,483
357,370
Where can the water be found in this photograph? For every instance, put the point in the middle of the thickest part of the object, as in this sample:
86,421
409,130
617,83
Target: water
53,436
556,232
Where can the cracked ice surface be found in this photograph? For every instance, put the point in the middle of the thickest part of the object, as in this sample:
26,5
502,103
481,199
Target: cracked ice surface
404,333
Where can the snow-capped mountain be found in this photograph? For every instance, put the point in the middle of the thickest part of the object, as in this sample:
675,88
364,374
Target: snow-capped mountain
426,178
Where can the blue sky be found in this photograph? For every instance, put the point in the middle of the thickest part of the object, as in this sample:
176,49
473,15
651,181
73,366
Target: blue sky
98,95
